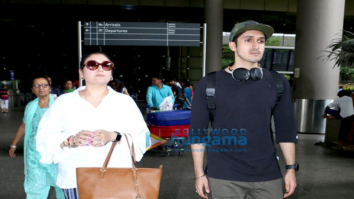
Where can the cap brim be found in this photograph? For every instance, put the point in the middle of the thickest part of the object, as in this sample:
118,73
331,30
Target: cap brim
267,30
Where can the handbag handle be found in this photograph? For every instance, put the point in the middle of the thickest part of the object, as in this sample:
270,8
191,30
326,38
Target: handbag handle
131,149
134,169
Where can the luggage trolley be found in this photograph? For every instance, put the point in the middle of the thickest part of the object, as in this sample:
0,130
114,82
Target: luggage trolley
172,125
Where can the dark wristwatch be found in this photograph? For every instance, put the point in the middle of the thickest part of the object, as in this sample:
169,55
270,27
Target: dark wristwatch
119,136
295,166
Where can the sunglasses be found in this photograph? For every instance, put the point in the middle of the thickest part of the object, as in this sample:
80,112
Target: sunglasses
40,85
93,65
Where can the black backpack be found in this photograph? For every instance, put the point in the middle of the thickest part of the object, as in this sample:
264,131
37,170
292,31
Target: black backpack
180,98
210,91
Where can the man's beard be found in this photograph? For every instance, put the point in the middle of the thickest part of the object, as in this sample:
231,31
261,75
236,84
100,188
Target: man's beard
254,60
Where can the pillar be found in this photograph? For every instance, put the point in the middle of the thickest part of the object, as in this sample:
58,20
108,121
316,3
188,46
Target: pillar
213,15
315,81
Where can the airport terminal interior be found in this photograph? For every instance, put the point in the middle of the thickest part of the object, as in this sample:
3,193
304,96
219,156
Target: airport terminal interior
47,37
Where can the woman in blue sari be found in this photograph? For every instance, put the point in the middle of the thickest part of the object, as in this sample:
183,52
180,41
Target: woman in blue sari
38,177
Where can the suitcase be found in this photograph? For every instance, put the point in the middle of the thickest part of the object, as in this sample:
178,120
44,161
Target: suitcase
169,118
169,131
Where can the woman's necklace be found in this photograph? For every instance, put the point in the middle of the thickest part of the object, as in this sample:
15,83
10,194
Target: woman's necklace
43,104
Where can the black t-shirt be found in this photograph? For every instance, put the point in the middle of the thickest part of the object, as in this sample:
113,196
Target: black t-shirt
241,147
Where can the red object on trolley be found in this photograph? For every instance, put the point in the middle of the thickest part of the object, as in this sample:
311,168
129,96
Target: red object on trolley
169,131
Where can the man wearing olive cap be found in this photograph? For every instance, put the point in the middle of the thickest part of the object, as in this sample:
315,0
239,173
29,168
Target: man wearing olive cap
242,161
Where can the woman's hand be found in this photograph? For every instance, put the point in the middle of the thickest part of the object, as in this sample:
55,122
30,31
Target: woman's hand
102,137
12,152
83,138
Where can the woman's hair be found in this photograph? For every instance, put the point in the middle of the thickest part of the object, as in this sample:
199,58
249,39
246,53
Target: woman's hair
84,58
46,78
69,81
40,77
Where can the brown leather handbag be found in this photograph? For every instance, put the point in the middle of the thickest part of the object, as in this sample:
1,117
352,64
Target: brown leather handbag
120,183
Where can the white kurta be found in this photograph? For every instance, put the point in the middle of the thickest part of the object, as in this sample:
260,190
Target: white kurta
71,114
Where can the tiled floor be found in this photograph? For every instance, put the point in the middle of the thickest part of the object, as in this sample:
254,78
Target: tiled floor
324,173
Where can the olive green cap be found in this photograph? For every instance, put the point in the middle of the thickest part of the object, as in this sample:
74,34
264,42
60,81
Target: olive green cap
250,25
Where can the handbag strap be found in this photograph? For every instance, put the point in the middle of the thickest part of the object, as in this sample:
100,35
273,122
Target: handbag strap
104,166
132,153
134,169
131,149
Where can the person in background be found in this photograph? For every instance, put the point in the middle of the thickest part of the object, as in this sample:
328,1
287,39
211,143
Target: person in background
121,87
157,93
79,128
76,84
54,90
38,177
187,93
345,112
175,82
68,86
113,84
4,99
178,94
132,93
192,89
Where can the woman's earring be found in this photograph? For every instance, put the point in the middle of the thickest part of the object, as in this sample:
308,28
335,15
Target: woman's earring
83,78
111,78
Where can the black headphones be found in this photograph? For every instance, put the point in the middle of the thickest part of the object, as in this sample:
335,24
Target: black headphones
242,74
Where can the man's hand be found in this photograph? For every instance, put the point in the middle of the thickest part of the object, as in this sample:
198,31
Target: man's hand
290,182
200,185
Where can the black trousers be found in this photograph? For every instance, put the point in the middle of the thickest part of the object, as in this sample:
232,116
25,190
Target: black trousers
345,128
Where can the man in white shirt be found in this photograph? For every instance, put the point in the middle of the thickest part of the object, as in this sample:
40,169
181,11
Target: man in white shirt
344,111
343,103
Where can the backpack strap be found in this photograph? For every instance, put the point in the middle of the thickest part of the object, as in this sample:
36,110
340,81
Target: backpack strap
280,86
210,92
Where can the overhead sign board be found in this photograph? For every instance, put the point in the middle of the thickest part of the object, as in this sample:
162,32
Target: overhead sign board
106,33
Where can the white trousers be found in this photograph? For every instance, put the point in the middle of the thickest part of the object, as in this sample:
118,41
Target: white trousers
4,104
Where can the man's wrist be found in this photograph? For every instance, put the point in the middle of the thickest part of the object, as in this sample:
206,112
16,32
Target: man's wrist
293,167
197,177
198,172
292,171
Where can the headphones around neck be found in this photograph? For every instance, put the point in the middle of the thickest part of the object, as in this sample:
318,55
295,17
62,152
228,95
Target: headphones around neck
242,74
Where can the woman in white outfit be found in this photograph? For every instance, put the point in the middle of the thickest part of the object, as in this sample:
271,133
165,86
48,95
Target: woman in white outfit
79,128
